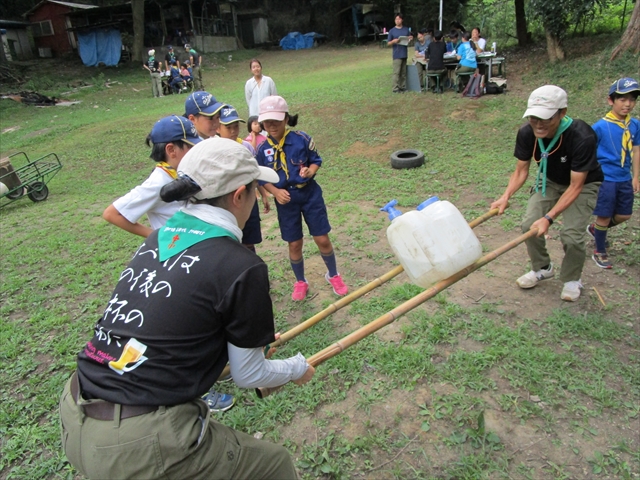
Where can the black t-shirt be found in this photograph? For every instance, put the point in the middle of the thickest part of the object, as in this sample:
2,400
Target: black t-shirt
176,318
574,151
435,53
170,56
153,65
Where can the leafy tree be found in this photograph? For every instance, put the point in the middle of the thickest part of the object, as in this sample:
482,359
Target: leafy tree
557,16
631,37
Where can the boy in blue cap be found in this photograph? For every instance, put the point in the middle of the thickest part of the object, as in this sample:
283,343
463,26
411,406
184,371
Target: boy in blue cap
170,139
230,128
203,110
619,156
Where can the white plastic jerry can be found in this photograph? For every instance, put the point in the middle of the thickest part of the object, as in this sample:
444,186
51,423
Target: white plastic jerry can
433,242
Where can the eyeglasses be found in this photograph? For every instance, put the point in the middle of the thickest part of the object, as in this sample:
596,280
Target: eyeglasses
540,121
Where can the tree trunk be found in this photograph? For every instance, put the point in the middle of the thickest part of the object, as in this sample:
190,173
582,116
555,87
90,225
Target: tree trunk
631,37
137,8
521,23
554,47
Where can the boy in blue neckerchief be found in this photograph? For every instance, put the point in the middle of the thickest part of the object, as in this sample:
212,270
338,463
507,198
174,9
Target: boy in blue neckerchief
292,154
619,156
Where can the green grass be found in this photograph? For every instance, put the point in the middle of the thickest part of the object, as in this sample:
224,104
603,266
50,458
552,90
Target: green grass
512,386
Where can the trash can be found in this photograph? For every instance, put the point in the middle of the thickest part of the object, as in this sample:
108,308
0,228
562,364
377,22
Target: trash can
7,175
413,82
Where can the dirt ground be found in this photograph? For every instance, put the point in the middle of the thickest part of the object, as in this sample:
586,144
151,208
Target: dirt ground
526,443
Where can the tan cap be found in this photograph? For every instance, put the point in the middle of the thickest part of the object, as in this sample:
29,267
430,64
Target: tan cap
545,101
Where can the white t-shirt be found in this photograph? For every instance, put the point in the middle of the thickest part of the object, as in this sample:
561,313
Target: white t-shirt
254,93
481,43
145,198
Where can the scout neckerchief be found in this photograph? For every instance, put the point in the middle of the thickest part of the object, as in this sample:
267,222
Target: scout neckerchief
168,169
183,231
279,155
627,146
544,153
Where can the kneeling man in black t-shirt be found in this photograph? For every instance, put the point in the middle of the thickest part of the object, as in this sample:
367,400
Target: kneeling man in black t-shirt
191,300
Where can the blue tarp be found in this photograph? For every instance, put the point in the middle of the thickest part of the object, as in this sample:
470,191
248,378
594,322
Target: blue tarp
298,41
100,46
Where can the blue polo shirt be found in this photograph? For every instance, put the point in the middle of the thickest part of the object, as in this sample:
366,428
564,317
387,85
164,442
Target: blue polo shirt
300,151
467,55
399,51
609,149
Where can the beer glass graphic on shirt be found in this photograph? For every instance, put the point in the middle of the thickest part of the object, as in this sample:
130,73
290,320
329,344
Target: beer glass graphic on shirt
132,353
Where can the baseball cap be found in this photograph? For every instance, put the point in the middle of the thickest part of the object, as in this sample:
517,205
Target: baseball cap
187,46
624,85
170,47
545,101
152,53
220,166
201,103
170,129
228,115
273,107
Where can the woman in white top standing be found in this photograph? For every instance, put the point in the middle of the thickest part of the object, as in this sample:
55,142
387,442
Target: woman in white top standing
258,87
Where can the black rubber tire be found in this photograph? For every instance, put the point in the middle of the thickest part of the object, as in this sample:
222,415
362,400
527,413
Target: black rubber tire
17,194
38,191
407,159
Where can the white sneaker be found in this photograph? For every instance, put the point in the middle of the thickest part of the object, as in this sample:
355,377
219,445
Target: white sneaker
571,291
531,279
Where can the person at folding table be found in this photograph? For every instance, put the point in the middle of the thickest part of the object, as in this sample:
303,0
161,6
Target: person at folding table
567,183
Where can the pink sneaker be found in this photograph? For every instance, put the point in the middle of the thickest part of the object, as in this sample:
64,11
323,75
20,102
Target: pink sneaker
339,288
300,290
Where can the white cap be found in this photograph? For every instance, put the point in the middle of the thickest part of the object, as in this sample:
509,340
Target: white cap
220,166
545,101
152,53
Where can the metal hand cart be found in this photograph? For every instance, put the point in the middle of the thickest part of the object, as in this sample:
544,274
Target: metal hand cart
27,177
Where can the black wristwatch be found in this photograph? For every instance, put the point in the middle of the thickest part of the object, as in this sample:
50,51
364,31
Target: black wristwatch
549,219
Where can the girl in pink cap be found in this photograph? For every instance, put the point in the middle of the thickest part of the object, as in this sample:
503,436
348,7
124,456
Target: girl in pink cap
293,155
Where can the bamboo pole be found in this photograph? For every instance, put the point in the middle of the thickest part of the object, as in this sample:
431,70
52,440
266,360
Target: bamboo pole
391,316
344,301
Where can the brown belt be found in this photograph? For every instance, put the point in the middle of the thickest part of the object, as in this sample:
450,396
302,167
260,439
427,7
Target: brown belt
104,410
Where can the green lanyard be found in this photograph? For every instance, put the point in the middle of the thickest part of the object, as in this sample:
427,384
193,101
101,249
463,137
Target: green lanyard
544,153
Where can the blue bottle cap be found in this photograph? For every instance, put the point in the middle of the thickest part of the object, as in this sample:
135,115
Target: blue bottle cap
427,202
393,212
